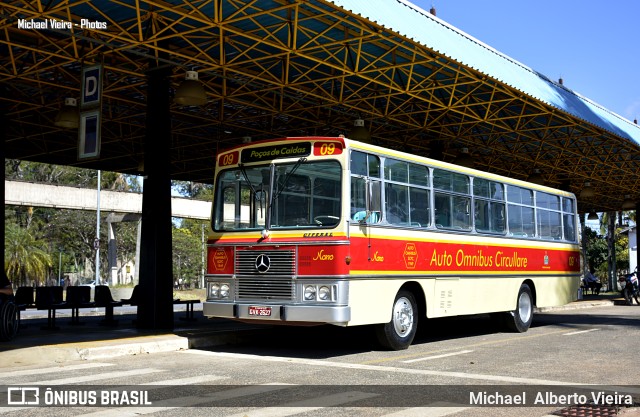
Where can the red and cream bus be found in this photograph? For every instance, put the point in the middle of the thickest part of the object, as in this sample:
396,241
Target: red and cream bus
329,230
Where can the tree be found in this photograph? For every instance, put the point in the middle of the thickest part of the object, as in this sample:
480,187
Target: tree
187,254
617,245
70,232
196,190
597,253
25,258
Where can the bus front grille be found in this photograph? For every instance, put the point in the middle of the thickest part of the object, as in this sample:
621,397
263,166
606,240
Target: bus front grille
280,263
265,289
256,281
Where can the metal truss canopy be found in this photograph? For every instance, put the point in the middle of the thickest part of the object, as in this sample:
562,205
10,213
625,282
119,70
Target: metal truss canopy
286,68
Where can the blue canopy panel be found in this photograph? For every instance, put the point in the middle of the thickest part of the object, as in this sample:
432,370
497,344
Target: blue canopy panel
411,21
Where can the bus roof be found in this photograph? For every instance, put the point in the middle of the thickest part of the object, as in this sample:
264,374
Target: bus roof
392,153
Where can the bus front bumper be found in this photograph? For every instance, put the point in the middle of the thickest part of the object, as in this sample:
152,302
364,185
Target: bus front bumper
338,315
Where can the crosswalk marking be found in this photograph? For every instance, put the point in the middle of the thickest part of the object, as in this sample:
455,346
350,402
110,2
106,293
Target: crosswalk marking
98,376
172,403
438,409
304,406
192,380
53,369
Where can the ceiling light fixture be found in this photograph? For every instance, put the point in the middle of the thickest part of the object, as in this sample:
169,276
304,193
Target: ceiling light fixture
191,91
359,132
68,116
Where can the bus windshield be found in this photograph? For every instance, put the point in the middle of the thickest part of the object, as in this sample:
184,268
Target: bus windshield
276,196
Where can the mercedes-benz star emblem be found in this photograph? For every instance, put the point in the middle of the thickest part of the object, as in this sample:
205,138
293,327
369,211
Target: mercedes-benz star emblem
263,263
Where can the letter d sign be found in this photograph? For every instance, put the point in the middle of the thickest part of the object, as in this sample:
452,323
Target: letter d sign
91,86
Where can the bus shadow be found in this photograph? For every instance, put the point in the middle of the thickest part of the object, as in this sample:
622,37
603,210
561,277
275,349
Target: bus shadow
313,342
325,341
575,321
447,328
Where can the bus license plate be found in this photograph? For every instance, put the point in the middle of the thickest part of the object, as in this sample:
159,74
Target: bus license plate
259,311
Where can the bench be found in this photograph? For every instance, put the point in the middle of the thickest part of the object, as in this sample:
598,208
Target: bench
136,296
77,298
50,299
103,298
189,310
24,299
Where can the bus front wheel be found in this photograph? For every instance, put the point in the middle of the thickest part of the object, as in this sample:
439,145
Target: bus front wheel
398,334
520,319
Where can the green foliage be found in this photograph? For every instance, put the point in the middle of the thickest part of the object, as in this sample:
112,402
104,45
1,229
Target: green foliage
187,255
598,251
25,257
196,190
65,175
41,240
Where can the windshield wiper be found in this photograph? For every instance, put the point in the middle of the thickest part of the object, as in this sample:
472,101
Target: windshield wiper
254,192
286,178
246,178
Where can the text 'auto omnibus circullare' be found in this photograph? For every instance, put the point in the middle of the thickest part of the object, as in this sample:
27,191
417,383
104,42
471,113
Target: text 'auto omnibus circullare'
316,230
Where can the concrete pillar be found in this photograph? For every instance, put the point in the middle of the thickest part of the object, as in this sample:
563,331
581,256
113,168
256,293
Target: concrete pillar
113,218
112,254
136,272
155,310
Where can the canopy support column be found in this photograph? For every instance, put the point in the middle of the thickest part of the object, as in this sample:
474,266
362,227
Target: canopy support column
155,310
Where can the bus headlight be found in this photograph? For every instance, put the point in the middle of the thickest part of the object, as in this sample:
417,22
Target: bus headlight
324,293
310,292
214,290
224,291
218,290
319,292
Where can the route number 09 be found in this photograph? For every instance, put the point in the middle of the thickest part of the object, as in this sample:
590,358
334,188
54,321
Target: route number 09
327,148
229,159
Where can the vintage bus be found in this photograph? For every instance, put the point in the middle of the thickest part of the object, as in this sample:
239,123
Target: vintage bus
315,230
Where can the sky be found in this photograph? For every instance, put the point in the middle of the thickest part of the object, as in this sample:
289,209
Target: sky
593,45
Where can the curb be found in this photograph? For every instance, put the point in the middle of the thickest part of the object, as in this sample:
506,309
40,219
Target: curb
576,305
95,350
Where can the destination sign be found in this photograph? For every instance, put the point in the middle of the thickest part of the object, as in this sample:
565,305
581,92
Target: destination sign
283,150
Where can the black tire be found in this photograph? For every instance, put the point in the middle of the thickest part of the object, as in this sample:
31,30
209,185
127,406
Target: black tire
398,334
9,322
627,295
520,319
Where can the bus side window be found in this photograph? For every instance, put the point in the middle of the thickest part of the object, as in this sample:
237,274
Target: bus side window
443,210
419,199
358,197
375,204
396,205
365,187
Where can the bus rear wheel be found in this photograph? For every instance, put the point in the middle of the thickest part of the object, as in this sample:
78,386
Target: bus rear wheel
520,319
398,334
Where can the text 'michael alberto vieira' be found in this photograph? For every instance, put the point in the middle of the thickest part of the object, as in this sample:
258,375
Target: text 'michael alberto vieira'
549,398
44,24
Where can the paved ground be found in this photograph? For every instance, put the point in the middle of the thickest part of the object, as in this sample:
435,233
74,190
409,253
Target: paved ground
92,340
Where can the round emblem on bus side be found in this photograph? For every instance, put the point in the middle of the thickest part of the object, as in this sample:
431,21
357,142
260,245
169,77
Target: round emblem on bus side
263,263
